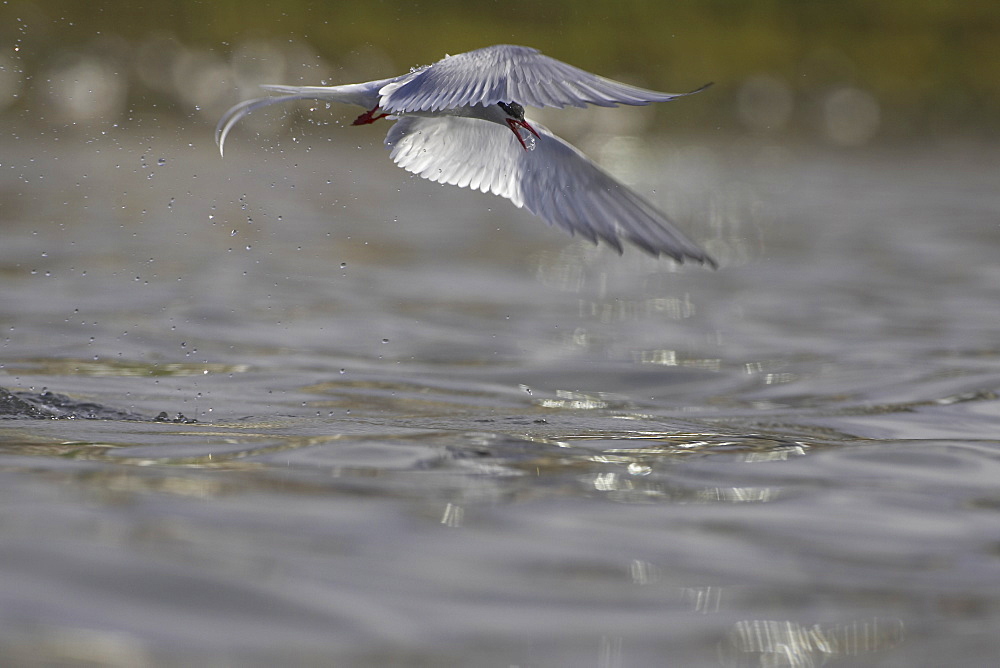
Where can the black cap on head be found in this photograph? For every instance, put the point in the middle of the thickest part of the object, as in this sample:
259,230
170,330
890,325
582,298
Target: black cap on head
513,109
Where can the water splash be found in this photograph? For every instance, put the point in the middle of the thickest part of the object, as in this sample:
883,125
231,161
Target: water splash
528,140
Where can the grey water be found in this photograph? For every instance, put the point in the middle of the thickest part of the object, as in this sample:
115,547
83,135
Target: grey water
297,407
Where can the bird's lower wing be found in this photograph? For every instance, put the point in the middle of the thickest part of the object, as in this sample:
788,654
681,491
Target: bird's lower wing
463,152
563,186
554,181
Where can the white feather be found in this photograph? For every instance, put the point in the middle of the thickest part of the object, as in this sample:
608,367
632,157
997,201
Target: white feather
450,129
554,181
507,73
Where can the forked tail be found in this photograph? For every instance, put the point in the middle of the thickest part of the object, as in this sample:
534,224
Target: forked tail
235,113
363,94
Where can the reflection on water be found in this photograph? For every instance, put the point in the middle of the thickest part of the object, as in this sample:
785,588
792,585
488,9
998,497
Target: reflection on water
772,643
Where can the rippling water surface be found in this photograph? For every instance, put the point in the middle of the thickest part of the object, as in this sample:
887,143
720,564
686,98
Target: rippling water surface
296,407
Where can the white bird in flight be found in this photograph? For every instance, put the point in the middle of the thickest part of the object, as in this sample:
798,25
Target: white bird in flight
454,121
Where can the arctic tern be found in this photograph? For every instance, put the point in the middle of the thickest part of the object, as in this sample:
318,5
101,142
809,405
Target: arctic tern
461,121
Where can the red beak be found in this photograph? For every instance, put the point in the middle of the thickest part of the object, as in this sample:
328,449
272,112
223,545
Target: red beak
514,124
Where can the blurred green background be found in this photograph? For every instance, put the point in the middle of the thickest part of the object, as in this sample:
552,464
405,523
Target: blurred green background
848,72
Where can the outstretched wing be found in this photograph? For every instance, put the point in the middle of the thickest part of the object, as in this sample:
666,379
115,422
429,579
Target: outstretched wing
506,73
554,181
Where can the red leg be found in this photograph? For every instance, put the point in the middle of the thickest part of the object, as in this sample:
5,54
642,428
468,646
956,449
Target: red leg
369,116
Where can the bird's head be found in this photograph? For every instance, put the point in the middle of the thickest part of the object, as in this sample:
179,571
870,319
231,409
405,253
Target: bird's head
512,109
515,120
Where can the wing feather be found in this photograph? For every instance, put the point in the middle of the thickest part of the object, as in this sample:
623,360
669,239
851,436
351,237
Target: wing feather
554,181
506,73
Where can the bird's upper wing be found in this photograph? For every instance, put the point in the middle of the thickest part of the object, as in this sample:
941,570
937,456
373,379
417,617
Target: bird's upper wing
554,181
506,73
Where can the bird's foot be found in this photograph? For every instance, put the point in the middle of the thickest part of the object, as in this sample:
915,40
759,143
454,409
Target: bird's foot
369,116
